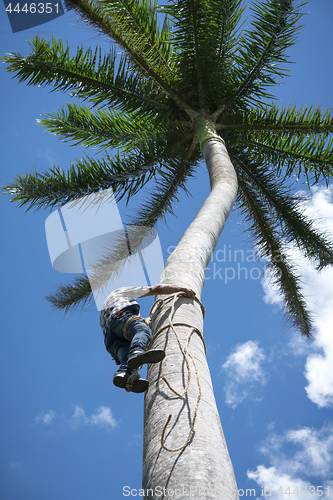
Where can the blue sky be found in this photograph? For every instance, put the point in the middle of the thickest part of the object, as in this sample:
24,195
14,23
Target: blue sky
66,431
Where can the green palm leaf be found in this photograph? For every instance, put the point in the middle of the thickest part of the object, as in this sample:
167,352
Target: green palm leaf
133,25
269,246
204,56
72,295
104,128
262,49
125,174
293,226
57,187
157,204
88,75
287,120
311,156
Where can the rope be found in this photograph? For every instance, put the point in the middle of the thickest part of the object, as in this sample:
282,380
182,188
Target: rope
157,305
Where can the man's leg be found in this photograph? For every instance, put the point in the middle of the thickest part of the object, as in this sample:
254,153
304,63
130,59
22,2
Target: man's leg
118,348
139,336
120,379
122,375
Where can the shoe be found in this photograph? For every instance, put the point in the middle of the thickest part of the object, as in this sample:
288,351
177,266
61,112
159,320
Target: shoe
138,385
138,358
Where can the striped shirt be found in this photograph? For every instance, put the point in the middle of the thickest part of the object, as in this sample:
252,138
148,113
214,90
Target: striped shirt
123,297
118,300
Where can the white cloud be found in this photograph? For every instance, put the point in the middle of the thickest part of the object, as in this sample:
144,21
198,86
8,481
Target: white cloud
104,417
244,372
18,465
45,418
300,458
101,418
272,480
299,345
318,289
315,450
45,155
79,416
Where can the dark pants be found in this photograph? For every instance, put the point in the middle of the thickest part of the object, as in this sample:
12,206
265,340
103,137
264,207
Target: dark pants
116,344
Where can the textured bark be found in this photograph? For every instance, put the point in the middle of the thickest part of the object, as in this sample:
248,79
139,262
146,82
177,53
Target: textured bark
203,468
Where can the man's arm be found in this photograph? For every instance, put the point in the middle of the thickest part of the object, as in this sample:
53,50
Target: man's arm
167,290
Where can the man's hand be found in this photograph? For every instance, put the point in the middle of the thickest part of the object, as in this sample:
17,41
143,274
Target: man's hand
168,290
189,292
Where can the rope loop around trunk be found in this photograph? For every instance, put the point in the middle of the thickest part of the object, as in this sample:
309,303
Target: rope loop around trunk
185,352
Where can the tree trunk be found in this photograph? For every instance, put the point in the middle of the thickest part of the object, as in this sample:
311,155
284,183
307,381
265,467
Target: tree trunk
202,468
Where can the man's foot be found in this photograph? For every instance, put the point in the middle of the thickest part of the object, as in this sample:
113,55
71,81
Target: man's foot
137,385
138,358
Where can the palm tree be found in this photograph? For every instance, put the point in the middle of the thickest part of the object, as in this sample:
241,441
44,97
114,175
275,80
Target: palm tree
193,86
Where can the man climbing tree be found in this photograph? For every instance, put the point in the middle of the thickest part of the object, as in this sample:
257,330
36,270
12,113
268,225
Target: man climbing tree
126,335
172,97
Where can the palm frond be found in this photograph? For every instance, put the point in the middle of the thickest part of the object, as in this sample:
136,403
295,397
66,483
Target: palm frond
159,202
288,120
104,128
89,175
108,263
269,246
88,75
204,55
262,49
229,24
294,155
126,175
226,23
294,226
70,296
133,25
